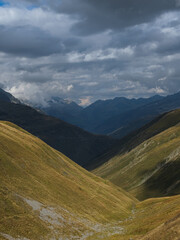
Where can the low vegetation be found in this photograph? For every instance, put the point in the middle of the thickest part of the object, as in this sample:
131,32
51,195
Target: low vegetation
44,195
153,219
151,169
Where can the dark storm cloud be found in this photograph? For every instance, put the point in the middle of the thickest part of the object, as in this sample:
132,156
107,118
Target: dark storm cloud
101,15
87,49
96,16
28,41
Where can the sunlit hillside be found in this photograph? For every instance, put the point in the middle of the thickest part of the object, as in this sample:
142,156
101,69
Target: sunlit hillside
44,195
151,169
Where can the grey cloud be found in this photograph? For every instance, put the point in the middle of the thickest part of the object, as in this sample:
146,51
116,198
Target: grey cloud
102,15
96,70
151,38
27,41
31,41
136,78
97,16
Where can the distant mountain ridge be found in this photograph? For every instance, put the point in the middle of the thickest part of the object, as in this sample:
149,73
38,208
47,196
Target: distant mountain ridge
135,119
63,109
96,114
115,117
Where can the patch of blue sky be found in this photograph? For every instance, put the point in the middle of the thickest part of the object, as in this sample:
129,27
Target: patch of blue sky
31,7
3,3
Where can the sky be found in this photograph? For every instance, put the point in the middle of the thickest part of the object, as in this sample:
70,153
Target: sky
86,50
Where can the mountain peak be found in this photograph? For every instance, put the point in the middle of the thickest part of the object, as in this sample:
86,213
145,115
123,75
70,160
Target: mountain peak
7,97
58,100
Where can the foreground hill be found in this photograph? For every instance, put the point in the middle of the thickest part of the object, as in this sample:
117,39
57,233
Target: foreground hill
74,142
44,195
153,219
152,167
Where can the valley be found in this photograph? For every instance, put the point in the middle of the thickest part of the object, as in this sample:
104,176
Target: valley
132,191
89,120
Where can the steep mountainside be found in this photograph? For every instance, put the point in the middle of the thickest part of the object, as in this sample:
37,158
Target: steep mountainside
7,97
63,109
92,117
152,168
74,142
44,195
125,123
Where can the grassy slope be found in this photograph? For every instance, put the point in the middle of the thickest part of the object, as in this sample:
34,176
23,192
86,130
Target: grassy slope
151,169
153,219
137,137
71,198
31,170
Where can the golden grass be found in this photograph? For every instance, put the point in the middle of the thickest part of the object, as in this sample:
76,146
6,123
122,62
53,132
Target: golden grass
33,170
153,219
30,169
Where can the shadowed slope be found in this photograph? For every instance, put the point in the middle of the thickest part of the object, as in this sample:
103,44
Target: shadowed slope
7,97
95,115
74,142
123,124
45,195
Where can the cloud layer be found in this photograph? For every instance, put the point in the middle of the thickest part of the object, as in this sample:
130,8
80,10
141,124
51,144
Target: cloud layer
85,50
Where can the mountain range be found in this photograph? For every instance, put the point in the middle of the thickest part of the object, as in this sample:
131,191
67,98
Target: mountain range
115,117
94,117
